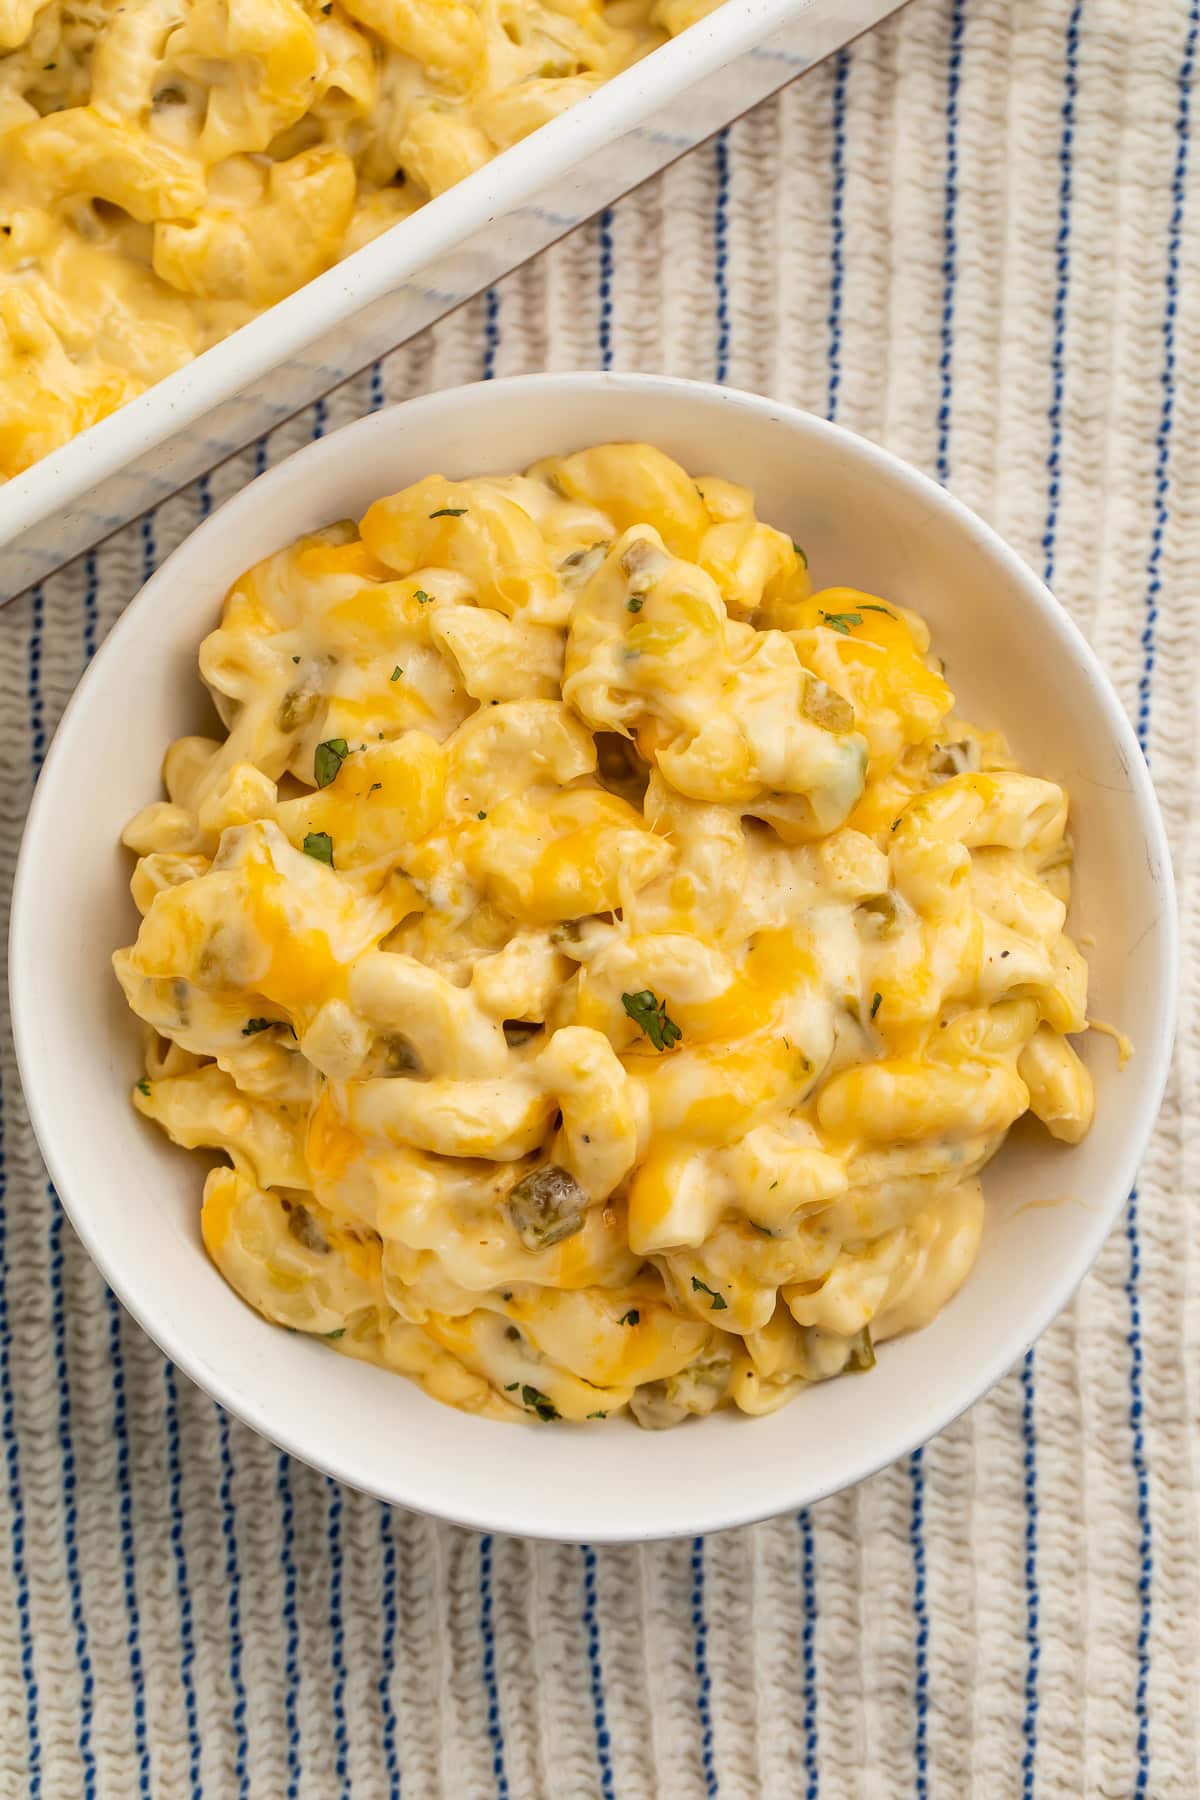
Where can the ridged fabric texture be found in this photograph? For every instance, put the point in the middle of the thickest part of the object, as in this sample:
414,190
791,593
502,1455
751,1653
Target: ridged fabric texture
975,236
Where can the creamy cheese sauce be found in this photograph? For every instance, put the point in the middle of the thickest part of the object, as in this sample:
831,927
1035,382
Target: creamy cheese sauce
606,964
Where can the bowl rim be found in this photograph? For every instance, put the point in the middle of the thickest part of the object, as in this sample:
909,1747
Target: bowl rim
158,1320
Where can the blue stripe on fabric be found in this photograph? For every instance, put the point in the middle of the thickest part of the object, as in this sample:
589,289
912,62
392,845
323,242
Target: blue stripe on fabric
33,689
1145,1540
58,1325
808,1576
1149,645
387,1653
491,334
187,1636
916,1534
487,1633
721,253
376,386
703,1679
133,1637
1063,277
607,261
591,1628
16,1500
58,1300
91,605
320,418
233,1603
291,1625
337,1638
1032,1598
950,239
837,233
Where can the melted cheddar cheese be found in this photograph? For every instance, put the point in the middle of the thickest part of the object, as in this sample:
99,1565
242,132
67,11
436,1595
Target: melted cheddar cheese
169,168
606,964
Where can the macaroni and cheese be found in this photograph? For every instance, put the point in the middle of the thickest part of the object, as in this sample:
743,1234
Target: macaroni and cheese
169,168
605,963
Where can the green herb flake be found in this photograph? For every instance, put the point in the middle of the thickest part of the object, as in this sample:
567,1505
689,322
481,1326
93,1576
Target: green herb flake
650,1013
448,512
340,1332
481,814
841,621
799,553
870,606
862,1351
328,760
253,1026
510,1386
718,1301
539,1403
421,597
773,1185
319,845
598,1415
395,675
876,1003
295,659
631,1317
374,788
636,604
143,1087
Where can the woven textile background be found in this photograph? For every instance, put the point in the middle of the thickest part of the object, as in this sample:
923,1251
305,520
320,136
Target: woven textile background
976,237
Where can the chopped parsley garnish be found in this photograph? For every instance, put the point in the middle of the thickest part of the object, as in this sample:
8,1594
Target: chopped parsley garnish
143,1087
841,621
539,1403
650,1013
340,1332
395,675
799,553
295,659
870,606
481,814
509,1386
253,1026
448,512
636,604
319,845
374,787
631,1317
598,1415
328,760
876,1003
421,597
719,1302
773,1185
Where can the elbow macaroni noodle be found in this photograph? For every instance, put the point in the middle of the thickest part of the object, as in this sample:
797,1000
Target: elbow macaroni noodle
169,168
606,964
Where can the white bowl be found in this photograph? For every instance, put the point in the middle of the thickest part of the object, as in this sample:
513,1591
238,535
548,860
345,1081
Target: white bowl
1015,661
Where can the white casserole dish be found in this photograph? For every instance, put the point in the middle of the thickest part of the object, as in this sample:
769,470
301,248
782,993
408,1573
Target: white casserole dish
424,267
1015,661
